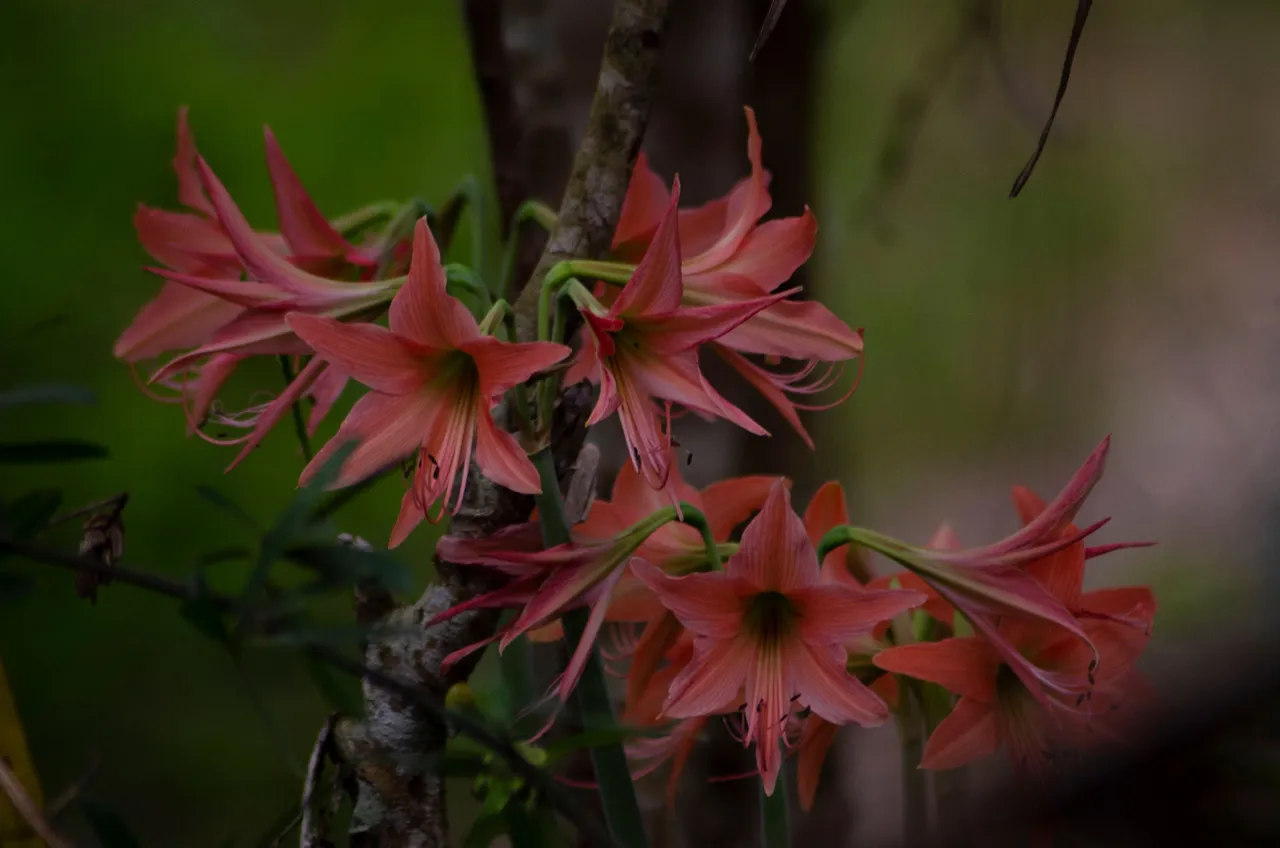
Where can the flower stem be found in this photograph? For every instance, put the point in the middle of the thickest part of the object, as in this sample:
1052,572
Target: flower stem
617,793
531,210
775,817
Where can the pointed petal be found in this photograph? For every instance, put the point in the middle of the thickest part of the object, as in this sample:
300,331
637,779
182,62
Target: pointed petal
968,733
746,205
177,318
647,445
758,378
1060,512
815,741
279,407
655,287
586,644
796,329
305,229
502,459
820,677
965,666
709,604
658,637
643,206
389,429
678,378
831,613
826,511
409,517
1028,504
691,326
263,263
236,291
190,192
422,310
371,354
768,256
324,393
775,554
212,375
506,364
186,242
712,681
728,503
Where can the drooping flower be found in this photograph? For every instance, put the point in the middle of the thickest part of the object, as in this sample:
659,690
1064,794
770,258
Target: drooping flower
997,705
644,348
434,377
212,246
768,626
730,257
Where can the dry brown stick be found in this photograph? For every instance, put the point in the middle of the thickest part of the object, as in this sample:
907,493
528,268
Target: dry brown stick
401,802
315,820
27,808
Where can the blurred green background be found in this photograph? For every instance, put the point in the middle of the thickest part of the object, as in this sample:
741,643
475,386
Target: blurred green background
1131,290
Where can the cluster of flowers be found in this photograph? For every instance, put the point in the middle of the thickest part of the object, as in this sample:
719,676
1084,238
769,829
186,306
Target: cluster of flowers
792,636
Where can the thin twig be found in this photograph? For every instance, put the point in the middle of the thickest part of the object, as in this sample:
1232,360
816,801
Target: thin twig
26,807
129,576
68,796
116,503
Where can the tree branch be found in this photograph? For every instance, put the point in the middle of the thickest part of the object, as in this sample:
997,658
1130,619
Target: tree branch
401,803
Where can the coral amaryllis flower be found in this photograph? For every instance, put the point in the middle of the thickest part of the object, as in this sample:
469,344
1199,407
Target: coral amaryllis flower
729,257
767,625
434,379
996,706
195,243
645,348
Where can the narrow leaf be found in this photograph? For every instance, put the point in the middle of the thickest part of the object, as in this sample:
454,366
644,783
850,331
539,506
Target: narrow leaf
47,393
54,450
225,504
209,620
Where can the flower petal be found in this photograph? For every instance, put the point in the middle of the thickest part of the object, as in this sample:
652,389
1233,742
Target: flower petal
190,191
691,326
728,503
582,651
643,207
389,428
658,637
831,613
279,407
177,318
709,605
775,553
759,378
965,666
654,287
305,229
796,329
371,354
506,364
678,378
968,733
409,517
712,681
324,393
502,459
422,310
820,677
815,741
769,254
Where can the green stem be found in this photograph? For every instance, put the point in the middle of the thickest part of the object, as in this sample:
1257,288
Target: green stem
775,816
299,423
531,210
698,521
617,792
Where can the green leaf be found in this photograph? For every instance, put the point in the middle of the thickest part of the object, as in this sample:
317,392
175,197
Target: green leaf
110,829
225,504
345,566
29,514
206,617
54,450
599,737
485,830
47,393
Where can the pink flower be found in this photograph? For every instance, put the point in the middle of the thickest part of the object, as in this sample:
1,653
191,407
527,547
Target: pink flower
645,348
729,257
434,379
769,626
